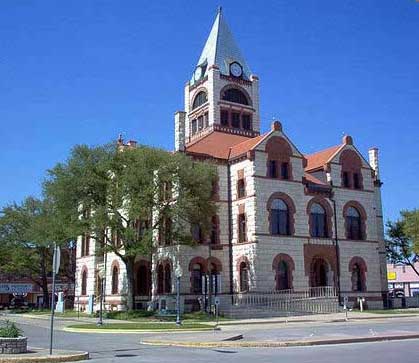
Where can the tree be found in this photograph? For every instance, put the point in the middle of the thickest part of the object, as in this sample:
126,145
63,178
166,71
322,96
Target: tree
126,198
403,243
27,232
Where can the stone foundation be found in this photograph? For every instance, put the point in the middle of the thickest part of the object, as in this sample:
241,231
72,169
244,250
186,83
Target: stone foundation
13,345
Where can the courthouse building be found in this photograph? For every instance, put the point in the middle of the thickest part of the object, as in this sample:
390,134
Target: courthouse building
285,220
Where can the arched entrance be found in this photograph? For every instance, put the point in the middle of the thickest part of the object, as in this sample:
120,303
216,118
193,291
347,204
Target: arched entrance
320,273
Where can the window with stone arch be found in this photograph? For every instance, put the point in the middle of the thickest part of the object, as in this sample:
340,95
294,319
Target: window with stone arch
199,99
355,221
357,270
115,280
283,266
279,153
280,221
320,218
197,274
235,95
84,282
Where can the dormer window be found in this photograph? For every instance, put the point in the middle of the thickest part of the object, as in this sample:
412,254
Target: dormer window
357,184
284,171
272,169
345,178
199,100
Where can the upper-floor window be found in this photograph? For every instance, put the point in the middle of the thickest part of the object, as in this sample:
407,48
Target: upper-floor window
241,188
272,169
85,245
247,121
318,221
200,99
196,278
242,227
280,221
353,224
345,179
214,238
197,234
285,171
224,117
235,120
199,124
235,95
357,184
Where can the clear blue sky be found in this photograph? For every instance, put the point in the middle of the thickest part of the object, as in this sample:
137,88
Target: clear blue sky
76,72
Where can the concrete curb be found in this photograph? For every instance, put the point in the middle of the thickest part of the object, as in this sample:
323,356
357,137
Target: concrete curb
265,344
135,331
305,321
26,358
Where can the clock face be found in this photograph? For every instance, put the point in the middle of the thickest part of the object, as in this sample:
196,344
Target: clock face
198,73
236,69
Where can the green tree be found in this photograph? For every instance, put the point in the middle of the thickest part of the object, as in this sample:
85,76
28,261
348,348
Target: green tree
126,198
403,242
27,233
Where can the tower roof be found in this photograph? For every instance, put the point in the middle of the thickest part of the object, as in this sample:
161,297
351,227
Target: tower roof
221,49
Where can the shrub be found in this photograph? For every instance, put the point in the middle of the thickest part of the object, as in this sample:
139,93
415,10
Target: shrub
10,330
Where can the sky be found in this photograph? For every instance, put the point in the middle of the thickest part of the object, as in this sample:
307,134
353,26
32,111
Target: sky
81,72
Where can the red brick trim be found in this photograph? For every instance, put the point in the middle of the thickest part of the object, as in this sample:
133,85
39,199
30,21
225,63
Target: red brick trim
315,251
351,164
329,214
291,266
279,149
200,260
291,210
358,206
240,260
216,262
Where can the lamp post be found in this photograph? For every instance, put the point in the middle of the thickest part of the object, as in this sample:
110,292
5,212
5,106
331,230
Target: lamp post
178,273
101,275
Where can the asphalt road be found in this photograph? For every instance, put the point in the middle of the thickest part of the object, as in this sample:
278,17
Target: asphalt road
126,348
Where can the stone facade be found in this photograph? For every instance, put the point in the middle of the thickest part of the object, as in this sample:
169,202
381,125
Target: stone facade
259,246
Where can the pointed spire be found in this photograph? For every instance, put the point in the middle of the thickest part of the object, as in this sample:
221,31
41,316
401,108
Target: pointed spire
221,49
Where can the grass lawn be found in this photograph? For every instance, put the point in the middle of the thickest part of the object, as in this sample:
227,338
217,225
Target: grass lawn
394,311
67,313
144,326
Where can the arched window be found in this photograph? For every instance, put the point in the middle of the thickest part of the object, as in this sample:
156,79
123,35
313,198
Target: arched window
235,95
143,280
197,273
319,273
356,278
283,276
167,279
244,277
84,283
279,218
160,279
318,221
200,99
353,224
115,280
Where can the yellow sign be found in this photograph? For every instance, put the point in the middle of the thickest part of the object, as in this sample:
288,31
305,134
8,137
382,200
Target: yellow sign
391,275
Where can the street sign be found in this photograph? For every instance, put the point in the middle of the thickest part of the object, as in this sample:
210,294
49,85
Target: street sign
56,260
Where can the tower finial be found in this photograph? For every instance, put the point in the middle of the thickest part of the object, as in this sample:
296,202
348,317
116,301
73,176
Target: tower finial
219,9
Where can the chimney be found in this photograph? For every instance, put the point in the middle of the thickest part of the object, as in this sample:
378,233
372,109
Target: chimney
180,118
373,158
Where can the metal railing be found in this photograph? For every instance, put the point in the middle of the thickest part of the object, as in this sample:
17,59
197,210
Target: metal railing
317,300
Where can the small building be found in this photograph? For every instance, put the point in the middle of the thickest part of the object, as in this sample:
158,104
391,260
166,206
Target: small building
403,280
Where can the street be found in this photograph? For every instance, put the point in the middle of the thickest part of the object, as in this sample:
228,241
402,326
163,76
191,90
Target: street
127,348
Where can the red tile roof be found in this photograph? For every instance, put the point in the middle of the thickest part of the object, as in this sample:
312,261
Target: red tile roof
320,158
312,179
222,145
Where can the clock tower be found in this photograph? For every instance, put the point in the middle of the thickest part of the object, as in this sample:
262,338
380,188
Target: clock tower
222,94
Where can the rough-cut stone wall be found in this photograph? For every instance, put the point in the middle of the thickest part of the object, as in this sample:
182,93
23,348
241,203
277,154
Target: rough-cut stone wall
13,345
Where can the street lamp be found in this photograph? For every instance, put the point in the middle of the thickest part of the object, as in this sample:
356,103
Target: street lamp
178,274
101,275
